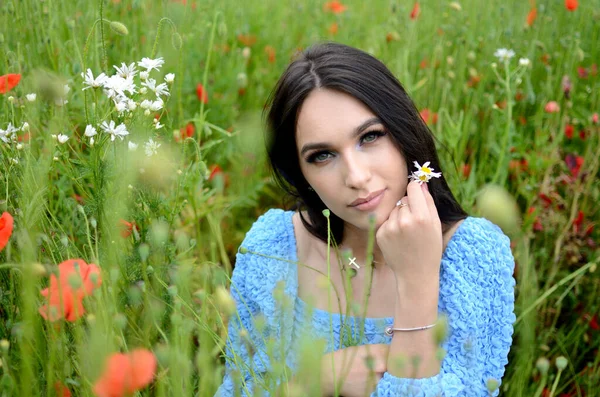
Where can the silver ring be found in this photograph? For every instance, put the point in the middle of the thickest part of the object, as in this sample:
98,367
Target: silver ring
401,204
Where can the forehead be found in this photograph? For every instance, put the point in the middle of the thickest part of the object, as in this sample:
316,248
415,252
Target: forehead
327,114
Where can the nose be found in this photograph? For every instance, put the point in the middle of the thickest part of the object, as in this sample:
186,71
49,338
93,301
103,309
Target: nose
358,172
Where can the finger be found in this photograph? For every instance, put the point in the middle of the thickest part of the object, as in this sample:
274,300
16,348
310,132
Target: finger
397,212
416,199
430,203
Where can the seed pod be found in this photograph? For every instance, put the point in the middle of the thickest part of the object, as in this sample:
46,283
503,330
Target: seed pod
119,28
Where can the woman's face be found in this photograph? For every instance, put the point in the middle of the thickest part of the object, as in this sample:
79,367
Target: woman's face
346,154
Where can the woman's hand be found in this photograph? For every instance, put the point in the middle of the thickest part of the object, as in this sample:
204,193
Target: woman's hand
411,239
360,378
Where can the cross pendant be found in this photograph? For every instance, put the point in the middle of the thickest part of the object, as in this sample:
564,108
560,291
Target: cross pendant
353,262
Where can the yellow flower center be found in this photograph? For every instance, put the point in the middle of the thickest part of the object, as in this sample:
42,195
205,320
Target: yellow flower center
423,178
426,170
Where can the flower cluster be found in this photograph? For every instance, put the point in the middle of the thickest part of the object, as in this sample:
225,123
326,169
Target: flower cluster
423,173
122,89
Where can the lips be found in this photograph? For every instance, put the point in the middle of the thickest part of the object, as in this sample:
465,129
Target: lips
368,198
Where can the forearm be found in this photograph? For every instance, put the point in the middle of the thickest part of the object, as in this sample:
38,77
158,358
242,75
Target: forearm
415,307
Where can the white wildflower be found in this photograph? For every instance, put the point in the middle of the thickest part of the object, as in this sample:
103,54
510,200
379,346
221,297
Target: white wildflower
66,89
150,64
169,78
25,126
92,141
131,105
146,104
116,86
147,112
19,146
504,54
151,147
143,90
126,71
144,75
90,131
157,105
524,62
121,106
114,131
62,138
31,97
158,125
132,146
160,89
424,173
9,133
14,160
91,82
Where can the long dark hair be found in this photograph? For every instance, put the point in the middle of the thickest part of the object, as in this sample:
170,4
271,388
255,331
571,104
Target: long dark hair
339,67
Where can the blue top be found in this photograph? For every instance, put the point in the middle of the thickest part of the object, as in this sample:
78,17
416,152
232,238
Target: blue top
476,294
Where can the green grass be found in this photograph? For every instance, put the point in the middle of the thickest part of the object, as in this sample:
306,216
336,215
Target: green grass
159,282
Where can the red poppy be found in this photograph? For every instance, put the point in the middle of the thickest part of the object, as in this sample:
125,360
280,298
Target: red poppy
466,170
76,280
334,6
8,82
424,63
61,390
127,228
594,323
546,200
214,171
428,116
569,129
414,14
201,93
333,28
270,51
582,72
582,135
124,374
571,5
545,58
247,39
531,16
6,229
473,81
185,132
552,107
578,221
574,164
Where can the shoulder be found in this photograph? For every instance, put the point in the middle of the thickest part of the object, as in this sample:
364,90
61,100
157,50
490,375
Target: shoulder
263,259
480,247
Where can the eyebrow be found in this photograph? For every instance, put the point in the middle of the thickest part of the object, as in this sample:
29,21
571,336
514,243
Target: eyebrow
357,131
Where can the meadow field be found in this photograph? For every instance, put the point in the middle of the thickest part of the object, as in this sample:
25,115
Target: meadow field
132,163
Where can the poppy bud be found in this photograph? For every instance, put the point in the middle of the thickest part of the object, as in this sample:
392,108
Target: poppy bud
561,363
119,28
542,364
326,213
176,41
243,250
492,384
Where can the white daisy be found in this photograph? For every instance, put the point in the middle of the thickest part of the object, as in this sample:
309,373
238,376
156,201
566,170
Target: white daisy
91,82
90,131
9,133
117,86
157,105
146,104
144,75
126,71
151,147
118,131
504,54
424,173
150,64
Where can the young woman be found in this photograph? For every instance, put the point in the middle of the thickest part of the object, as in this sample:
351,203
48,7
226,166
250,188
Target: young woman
346,138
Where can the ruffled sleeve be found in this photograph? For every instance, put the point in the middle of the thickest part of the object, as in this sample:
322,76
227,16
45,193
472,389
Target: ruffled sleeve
477,295
262,323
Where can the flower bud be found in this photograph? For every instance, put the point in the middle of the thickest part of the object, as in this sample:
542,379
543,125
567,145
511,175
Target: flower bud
561,363
119,28
176,41
4,346
225,301
542,364
75,281
492,385
120,320
243,250
326,213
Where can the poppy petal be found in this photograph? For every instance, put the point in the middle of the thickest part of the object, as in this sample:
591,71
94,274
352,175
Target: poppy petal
143,367
6,229
8,82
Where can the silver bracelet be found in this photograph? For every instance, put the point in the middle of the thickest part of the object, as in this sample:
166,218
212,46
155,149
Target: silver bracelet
389,331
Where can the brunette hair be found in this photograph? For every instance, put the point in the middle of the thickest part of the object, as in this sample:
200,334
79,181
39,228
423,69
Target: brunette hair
352,71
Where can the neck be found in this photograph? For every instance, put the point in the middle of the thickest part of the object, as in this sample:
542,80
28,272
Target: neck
357,241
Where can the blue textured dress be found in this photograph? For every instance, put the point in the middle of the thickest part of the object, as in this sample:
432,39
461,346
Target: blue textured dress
476,294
